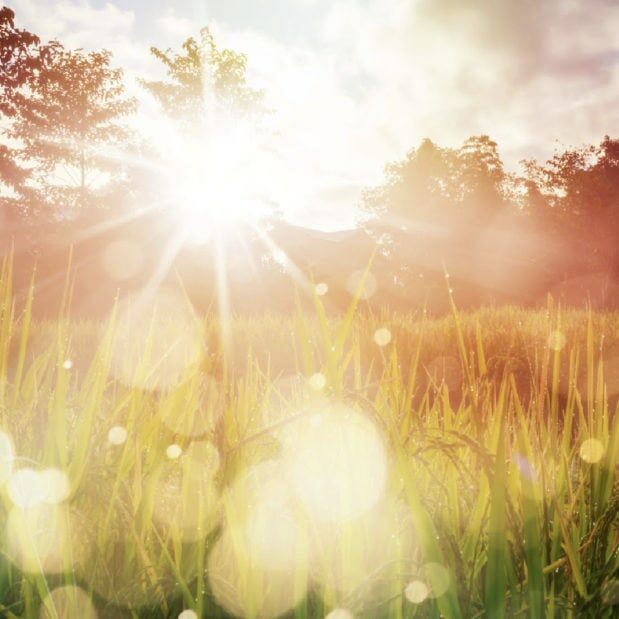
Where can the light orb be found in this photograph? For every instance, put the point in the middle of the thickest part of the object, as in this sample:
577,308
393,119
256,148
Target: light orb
117,435
174,451
244,587
274,533
46,539
56,484
321,289
556,340
260,504
67,603
437,579
340,613
26,489
317,381
416,591
363,561
7,457
592,450
382,336
336,462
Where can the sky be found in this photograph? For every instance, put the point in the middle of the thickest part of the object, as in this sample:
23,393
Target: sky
355,84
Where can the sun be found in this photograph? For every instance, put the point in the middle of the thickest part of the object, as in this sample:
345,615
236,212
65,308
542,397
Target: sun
216,180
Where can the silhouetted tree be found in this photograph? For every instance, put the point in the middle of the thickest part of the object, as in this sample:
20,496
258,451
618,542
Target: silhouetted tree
421,187
579,189
67,133
21,56
482,178
434,184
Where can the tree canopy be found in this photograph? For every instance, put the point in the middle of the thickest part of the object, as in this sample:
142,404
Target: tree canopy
438,185
67,134
203,80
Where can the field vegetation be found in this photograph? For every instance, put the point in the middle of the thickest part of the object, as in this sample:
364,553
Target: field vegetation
365,465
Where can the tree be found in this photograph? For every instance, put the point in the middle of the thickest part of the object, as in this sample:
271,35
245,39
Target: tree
203,80
431,211
214,126
21,55
580,187
481,178
69,134
441,185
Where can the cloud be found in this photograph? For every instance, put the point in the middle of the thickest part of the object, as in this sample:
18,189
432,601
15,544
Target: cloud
75,22
370,78
527,72
79,24
174,25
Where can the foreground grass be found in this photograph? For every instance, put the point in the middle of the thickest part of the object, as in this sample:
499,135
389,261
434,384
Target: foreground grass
457,467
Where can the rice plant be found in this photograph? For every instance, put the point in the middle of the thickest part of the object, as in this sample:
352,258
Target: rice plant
308,466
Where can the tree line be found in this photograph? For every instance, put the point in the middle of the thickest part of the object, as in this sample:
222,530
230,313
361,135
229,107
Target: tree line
69,154
68,146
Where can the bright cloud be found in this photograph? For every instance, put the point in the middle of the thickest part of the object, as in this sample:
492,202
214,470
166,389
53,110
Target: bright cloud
76,22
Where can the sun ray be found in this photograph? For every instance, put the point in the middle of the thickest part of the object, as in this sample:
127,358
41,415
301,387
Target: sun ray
288,264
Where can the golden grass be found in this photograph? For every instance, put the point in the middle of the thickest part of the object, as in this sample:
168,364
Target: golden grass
500,438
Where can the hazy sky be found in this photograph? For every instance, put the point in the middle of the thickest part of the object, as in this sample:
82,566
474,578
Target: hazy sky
357,83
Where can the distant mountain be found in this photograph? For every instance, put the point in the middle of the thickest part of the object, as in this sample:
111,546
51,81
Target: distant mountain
268,269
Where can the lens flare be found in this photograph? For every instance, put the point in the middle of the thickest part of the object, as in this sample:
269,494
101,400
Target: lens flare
186,500
437,579
46,539
261,506
56,484
244,587
382,336
592,450
556,340
317,381
68,603
416,591
273,532
321,289
364,561
340,613
26,489
7,457
117,435
337,463
174,451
